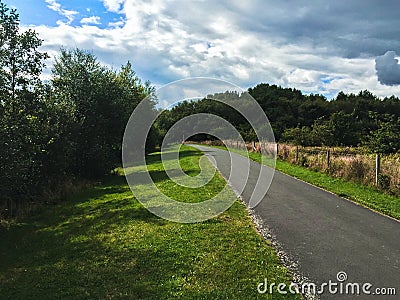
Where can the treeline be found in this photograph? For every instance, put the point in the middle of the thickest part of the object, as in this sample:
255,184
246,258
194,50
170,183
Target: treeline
360,119
63,130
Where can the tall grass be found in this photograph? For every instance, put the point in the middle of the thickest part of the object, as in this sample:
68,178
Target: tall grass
354,164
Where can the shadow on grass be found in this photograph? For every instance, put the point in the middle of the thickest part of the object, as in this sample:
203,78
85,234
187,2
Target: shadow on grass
157,176
156,157
140,177
132,160
103,244
72,250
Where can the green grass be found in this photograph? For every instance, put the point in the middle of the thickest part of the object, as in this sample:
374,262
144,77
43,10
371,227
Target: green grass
366,195
104,244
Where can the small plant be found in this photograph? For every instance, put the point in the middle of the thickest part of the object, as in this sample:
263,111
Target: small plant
304,162
356,170
384,182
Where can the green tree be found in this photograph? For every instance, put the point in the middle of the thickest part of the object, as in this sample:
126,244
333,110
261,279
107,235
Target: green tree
20,61
102,101
82,82
22,115
323,133
346,129
386,139
298,135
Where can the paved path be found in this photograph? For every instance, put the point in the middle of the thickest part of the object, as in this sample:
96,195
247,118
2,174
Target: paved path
326,234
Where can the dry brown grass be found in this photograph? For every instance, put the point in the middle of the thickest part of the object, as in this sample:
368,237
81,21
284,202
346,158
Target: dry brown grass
350,163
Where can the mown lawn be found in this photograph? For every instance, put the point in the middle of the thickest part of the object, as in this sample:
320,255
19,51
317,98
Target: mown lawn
104,244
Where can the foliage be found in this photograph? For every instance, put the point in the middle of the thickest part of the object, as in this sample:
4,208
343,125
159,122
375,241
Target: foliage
384,181
386,139
300,136
20,61
55,132
309,120
101,102
23,122
322,133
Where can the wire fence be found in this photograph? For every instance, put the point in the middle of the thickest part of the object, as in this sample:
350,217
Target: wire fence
353,164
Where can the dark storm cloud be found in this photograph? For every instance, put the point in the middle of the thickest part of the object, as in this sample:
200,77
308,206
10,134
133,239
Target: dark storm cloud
347,28
388,68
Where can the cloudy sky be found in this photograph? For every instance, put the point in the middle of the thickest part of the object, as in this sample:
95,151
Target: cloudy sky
316,46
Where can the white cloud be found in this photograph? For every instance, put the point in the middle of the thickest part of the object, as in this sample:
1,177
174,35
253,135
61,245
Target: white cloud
119,23
55,6
172,40
91,20
113,5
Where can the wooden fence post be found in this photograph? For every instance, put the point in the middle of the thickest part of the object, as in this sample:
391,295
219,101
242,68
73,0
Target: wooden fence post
377,168
328,157
297,153
277,150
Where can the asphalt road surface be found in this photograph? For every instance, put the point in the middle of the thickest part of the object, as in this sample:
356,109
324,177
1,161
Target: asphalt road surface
324,233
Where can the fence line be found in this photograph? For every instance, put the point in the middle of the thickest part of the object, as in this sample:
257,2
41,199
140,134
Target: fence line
354,164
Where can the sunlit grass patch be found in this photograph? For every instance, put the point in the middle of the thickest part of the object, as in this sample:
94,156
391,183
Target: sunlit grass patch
103,243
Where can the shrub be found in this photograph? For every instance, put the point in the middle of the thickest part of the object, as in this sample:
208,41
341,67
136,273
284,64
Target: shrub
384,182
356,170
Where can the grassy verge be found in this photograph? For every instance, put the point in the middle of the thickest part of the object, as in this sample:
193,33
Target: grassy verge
104,244
365,195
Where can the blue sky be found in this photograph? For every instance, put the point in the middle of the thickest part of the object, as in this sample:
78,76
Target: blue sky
39,12
318,47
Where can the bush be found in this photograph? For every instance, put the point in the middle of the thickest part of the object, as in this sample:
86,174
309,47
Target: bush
384,182
356,170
